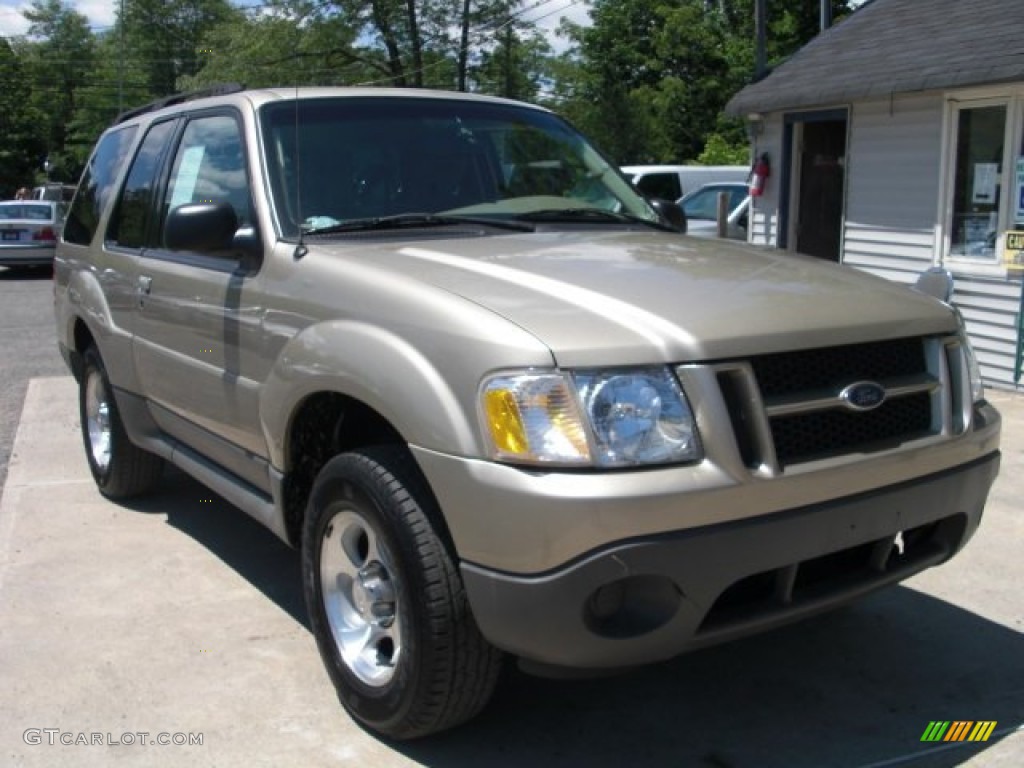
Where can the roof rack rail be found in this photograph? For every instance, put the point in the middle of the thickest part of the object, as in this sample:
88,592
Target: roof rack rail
220,89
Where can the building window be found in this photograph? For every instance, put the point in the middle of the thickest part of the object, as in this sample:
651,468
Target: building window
980,181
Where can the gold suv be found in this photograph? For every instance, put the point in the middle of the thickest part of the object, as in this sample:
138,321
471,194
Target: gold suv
495,397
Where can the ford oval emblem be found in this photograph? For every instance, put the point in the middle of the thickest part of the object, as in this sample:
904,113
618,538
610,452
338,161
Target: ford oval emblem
863,395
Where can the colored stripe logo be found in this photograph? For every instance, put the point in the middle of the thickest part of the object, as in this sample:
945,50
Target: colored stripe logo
958,730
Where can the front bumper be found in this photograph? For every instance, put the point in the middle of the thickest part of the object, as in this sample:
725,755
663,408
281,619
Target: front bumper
651,598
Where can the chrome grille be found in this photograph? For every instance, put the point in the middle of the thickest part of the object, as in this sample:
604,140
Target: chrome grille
793,407
824,433
824,369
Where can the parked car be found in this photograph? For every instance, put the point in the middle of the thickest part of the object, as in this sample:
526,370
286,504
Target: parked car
671,182
62,193
28,232
438,343
701,208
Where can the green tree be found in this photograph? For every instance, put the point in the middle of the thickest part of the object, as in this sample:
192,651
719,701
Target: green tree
654,76
112,86
282,49
719,151
163,39
22,147
473,45
516,67
58,60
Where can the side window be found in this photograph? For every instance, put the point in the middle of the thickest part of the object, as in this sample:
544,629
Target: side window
660,186
127,226
209,166
736,196
980,184
96,186
703,205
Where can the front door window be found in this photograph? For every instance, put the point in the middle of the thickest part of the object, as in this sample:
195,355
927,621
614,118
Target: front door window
978,187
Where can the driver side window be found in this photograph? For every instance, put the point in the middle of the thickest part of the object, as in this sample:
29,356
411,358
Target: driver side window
209,167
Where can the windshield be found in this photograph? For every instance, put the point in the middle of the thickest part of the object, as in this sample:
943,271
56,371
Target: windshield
365,158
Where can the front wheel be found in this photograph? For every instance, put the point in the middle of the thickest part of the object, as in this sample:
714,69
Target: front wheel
386,602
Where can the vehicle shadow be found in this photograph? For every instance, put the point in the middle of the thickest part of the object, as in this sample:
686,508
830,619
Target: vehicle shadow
856,688
244,545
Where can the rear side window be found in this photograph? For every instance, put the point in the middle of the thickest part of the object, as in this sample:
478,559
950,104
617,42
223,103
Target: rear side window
661,186
128,223
97,185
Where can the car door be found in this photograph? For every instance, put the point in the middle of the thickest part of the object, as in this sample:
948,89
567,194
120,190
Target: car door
199,314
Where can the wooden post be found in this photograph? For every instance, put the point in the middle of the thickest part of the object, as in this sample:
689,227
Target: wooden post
722,216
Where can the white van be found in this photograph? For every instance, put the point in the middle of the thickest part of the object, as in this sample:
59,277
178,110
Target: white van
671,182
60,193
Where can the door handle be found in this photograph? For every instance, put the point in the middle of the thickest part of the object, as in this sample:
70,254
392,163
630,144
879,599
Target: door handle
143,286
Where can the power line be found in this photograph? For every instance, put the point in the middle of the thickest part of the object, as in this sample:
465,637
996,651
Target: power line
483,34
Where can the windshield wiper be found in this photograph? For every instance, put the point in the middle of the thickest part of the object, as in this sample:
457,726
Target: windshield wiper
415,220
585,214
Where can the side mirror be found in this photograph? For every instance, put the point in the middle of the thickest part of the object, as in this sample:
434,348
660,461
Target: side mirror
201,227
937,282
672,213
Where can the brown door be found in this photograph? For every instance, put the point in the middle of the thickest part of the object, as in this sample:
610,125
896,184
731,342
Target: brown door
820,205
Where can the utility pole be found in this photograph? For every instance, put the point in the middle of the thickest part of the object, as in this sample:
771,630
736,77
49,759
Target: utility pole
760,38
826,14
464,45
120,59
509,40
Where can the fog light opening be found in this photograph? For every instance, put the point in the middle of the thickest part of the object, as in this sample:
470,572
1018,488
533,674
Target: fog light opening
632,606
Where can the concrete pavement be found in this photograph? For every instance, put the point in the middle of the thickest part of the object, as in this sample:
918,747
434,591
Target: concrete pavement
179,618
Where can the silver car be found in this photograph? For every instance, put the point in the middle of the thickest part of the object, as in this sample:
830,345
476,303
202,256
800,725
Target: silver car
701,208
28,232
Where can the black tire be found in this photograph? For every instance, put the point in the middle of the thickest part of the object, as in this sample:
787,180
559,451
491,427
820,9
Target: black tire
371,536
120,468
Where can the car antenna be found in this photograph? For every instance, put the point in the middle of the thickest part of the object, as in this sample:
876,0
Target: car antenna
300,248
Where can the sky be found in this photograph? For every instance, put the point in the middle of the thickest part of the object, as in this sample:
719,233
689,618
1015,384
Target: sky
99,12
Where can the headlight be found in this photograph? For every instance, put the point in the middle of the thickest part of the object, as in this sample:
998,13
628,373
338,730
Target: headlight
603,417
973,369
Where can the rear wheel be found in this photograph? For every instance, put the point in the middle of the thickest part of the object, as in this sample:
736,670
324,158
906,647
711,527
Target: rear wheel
386,602
120,468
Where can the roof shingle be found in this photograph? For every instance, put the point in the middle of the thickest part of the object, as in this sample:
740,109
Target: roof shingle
896,46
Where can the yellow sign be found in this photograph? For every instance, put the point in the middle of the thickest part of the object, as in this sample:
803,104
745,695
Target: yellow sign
1013,253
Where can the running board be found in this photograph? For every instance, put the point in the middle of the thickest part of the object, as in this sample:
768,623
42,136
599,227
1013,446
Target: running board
145,433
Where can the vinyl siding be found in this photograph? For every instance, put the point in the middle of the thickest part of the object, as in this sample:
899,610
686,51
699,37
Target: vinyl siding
764,221
990,307
892,199
894,161
892,187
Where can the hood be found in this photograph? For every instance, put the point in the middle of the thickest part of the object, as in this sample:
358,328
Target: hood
639,297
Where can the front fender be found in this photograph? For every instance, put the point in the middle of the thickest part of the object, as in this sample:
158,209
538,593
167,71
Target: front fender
428,406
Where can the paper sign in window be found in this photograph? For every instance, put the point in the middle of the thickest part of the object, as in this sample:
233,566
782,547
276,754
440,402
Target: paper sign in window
188,174
986,176
1019,196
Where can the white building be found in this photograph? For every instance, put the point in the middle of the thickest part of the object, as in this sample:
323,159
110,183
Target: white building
896,143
